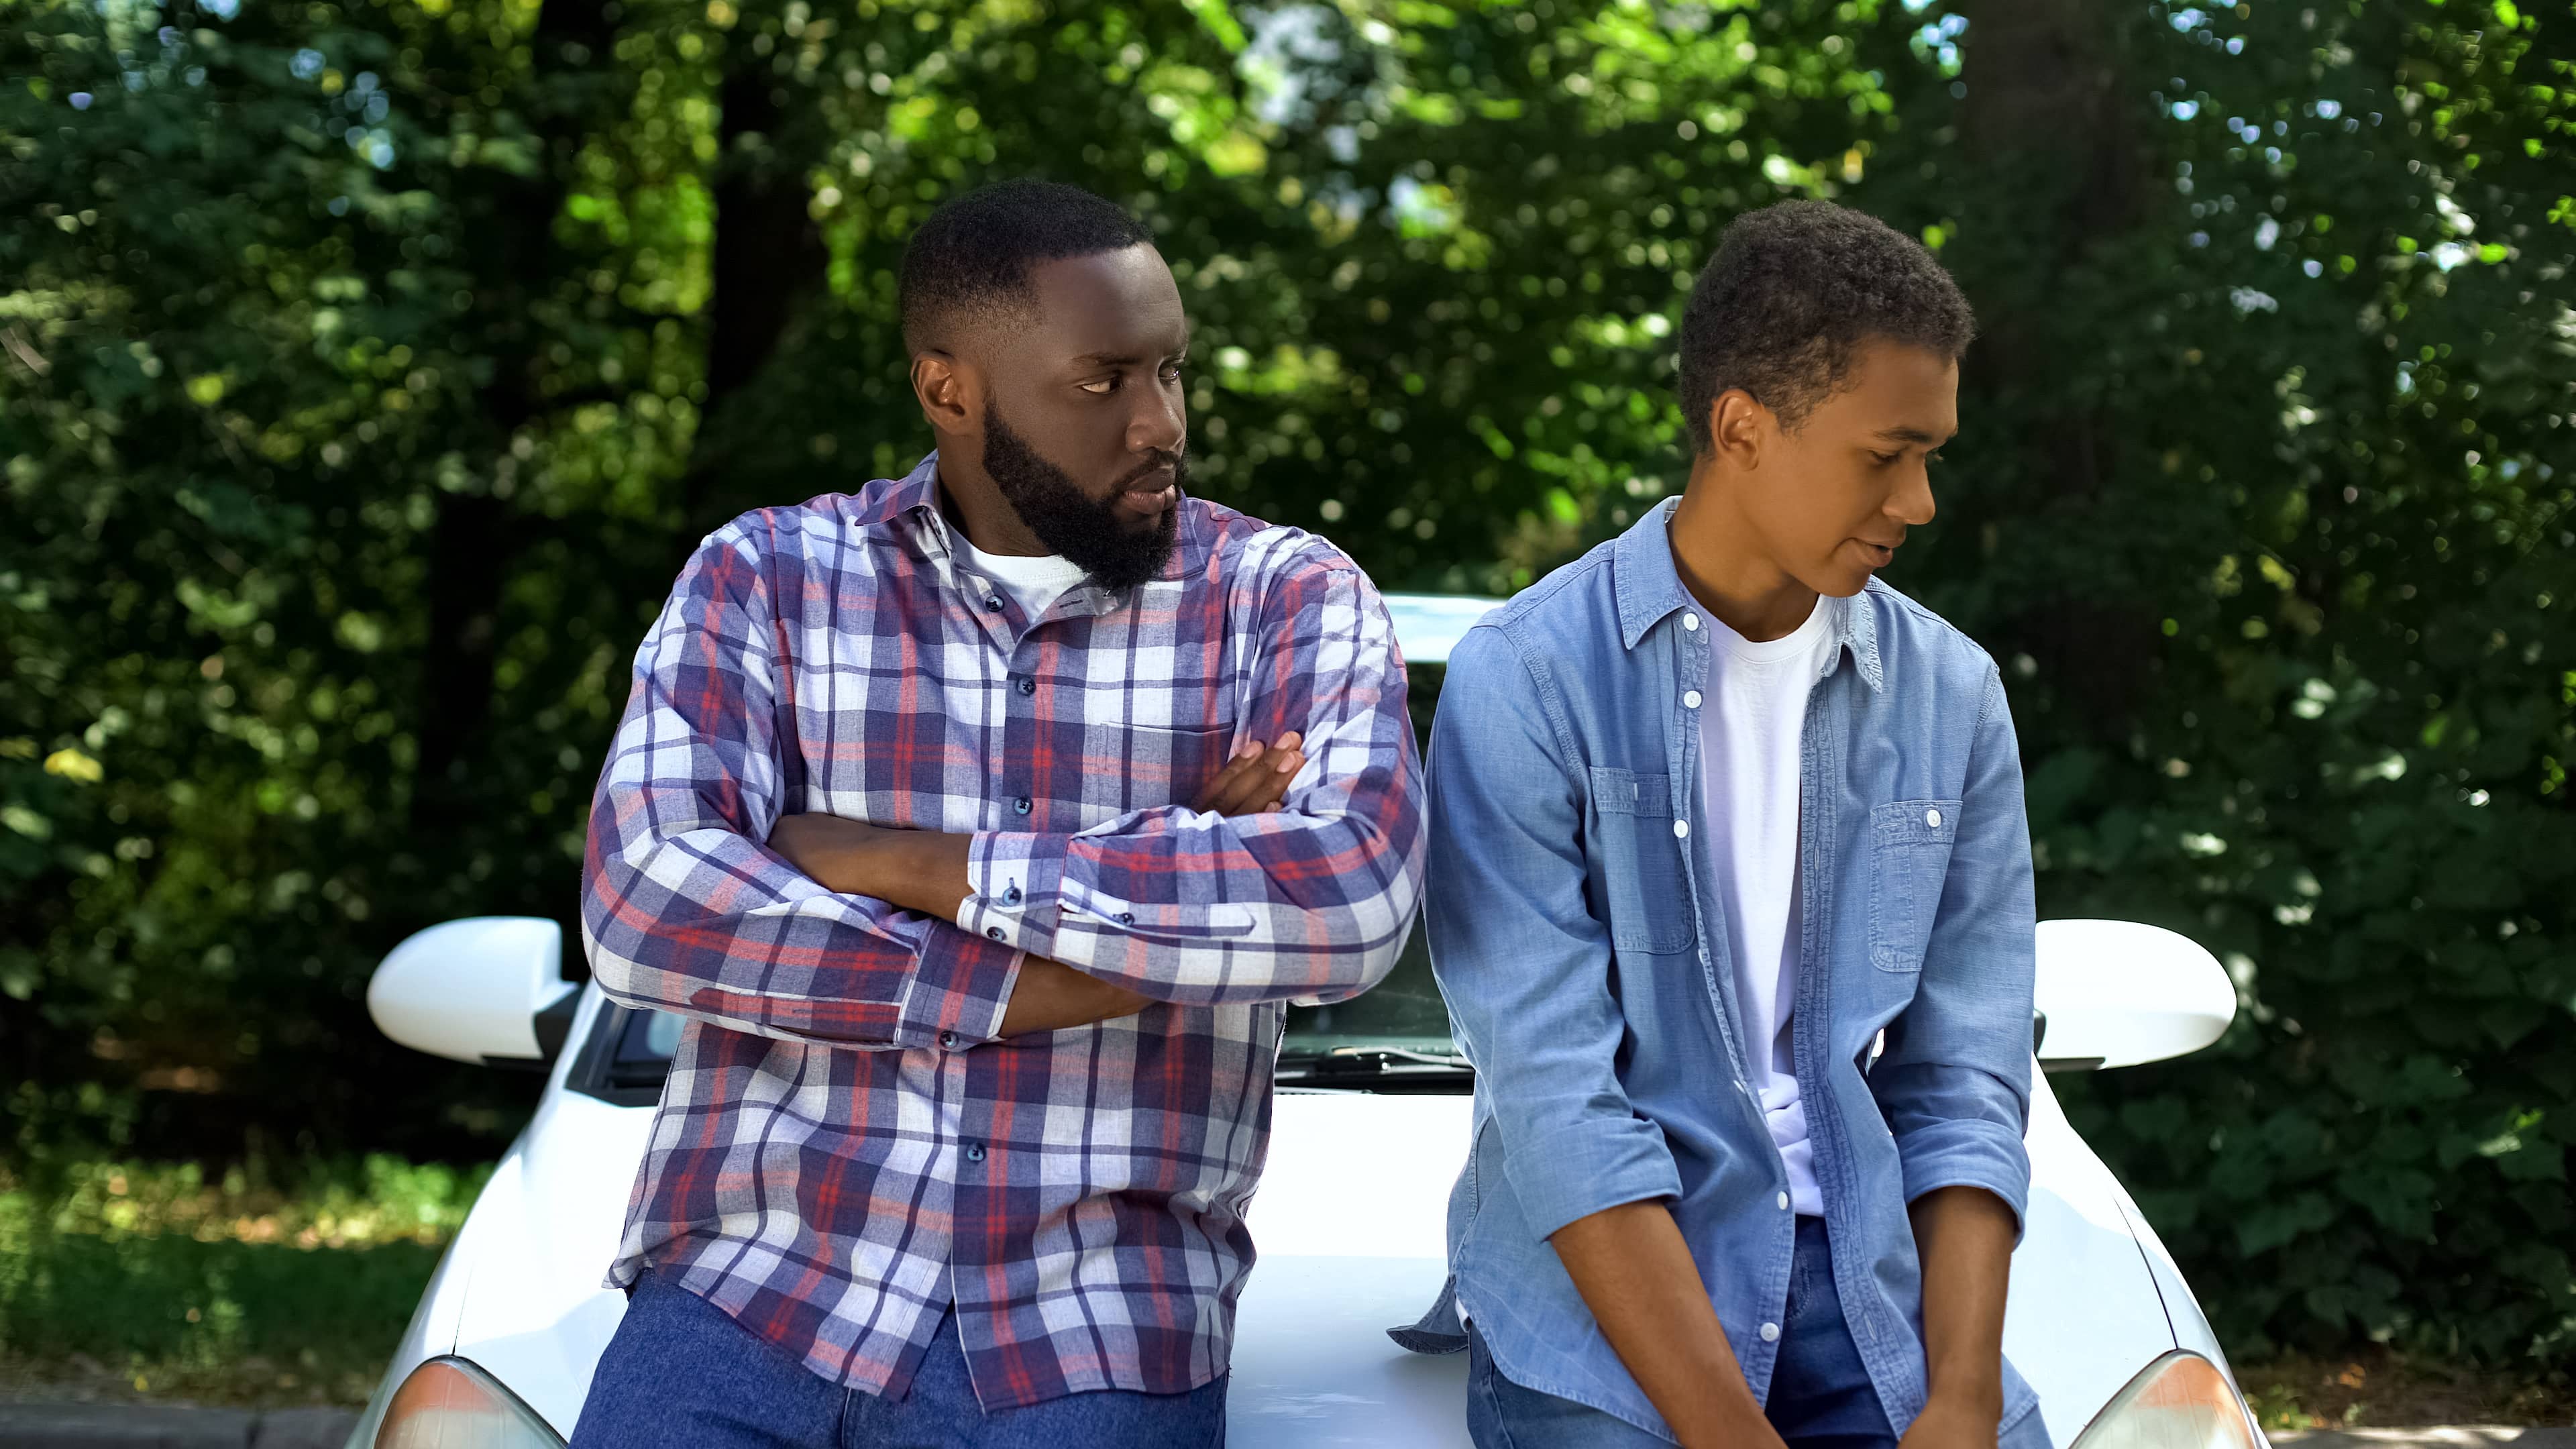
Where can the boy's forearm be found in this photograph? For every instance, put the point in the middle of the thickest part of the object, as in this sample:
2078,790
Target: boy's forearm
1964,1239
1636,1275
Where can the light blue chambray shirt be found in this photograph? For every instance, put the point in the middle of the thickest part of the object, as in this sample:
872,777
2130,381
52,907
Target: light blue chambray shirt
1578,937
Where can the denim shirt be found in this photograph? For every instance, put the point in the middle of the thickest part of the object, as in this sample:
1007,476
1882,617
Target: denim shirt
1578,938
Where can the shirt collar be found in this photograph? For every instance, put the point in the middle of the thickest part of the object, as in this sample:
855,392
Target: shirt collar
1649,590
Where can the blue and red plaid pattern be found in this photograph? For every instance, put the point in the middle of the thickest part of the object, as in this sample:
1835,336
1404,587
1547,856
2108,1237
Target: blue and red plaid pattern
843,1148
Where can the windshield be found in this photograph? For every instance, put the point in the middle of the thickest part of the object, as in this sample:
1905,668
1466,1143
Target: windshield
1393,1038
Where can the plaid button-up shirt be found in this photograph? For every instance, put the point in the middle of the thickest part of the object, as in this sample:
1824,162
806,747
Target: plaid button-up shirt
843,1148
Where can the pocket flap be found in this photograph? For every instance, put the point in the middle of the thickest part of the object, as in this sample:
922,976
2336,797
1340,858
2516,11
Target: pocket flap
1625,792
1915,822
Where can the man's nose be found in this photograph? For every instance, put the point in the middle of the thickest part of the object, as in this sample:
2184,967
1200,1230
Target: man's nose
1160,422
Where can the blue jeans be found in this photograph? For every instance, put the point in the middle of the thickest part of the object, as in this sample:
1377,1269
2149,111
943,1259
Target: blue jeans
681,1374
1821,1396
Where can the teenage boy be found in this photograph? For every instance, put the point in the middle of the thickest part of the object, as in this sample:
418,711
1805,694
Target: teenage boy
1712,809
982,824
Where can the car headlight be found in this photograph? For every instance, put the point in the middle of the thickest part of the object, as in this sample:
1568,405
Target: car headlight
448,1403
2181,1401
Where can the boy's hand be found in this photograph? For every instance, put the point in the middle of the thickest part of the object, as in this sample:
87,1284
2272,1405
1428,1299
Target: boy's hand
1255,780
1953,1423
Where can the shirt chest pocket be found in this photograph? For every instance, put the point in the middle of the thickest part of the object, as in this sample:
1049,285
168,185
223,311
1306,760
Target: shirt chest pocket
1909,857
1643,889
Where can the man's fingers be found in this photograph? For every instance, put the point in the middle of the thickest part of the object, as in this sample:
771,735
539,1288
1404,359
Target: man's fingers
1238,767
1254,778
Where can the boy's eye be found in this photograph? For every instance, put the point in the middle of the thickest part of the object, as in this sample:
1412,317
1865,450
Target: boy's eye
1931,457
1884,459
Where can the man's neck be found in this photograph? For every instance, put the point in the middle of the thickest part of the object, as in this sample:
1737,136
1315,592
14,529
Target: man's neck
1721,562
975,507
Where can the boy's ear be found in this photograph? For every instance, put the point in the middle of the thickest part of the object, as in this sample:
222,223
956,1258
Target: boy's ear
1738,427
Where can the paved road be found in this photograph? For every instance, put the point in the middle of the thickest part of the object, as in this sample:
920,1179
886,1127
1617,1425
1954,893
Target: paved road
158,1426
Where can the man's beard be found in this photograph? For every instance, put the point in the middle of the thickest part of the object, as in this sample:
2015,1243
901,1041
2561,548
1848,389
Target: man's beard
1087,531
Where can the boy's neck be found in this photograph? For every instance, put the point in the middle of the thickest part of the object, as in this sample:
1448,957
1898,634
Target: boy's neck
1722,562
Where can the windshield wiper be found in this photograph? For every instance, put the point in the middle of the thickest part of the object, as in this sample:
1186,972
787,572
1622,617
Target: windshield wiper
1362,1066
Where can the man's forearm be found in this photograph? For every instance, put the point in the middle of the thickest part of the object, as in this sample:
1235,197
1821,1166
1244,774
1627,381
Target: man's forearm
925,871
1964,1238
1636,1275
1051,996
913,870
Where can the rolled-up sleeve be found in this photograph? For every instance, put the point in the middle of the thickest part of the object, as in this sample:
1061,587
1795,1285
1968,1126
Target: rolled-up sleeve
686,910
1954,1081
1524,963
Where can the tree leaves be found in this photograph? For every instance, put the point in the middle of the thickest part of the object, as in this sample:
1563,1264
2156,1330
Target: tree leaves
366,369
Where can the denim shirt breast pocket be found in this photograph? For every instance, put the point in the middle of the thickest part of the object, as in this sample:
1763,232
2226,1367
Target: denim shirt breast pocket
1909,857
1643,885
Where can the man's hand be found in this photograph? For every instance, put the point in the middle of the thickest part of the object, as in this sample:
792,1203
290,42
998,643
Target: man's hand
1255,780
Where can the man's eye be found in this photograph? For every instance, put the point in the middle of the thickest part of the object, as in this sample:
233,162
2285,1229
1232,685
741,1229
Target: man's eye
1884,459
1099,387
1172,372
1931,457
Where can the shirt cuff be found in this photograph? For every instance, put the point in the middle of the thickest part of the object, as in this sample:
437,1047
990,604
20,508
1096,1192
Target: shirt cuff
1968,1154
1013,877
1569,1173
958,992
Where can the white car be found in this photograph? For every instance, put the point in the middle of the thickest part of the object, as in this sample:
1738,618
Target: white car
1369,1132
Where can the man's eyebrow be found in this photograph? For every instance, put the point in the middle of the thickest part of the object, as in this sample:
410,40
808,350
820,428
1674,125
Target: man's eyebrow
1902,434
1125,359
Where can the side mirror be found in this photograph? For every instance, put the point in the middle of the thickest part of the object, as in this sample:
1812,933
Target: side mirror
487,990
2116,993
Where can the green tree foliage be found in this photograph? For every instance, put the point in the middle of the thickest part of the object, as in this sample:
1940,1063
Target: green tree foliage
366,369
2267,509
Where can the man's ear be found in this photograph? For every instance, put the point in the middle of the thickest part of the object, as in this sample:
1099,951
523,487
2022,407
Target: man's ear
1738,428
947,393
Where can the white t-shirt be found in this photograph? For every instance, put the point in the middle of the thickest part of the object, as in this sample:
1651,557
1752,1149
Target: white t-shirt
1751,727
1032,583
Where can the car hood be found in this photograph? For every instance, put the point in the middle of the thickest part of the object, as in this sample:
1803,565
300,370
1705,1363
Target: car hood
1348,1224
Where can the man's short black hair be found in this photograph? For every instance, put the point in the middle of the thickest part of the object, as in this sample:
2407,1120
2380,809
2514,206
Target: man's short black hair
972,257
1793,291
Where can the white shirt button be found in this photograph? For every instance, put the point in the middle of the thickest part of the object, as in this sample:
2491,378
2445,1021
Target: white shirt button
1784,1202
1681,829
1770,1333
1932,818
1690,699
1691,622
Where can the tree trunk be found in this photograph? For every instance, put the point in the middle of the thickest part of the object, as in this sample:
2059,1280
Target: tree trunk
572,85
768,255
2050,120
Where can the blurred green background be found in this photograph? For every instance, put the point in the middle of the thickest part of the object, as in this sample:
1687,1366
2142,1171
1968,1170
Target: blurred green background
368,367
